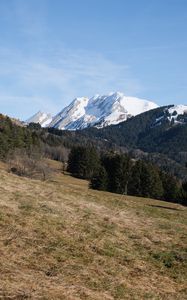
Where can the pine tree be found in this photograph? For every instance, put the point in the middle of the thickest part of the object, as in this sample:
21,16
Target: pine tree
99,181
135,183
118,168
155,185
145,181
170,186
183,193
83,162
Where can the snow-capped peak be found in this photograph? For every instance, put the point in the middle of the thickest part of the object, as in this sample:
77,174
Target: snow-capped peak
100,111
44,119
70,114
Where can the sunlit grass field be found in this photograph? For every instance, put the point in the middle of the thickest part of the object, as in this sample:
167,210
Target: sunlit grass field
61,240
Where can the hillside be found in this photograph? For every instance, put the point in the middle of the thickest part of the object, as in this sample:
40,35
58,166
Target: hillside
61,240
164,145
158,135
144,132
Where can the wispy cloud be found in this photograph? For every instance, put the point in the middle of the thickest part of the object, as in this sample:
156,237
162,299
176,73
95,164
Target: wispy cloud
52,81
37,75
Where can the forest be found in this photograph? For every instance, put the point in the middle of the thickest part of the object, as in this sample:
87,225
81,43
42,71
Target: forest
118,173
107,166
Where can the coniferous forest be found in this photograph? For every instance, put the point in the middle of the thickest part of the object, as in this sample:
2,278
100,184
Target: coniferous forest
13,137
118,173
106,166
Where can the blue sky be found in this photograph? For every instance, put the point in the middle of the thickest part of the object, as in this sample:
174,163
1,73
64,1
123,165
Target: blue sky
52,51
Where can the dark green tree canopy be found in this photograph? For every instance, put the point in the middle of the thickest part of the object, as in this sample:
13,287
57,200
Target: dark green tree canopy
83,162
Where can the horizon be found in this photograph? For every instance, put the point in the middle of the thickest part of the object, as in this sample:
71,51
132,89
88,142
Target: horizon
58,111
53,51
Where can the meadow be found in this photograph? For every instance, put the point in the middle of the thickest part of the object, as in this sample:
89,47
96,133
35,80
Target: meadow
61,240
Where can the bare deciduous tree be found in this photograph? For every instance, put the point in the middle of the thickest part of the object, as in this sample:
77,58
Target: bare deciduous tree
26,164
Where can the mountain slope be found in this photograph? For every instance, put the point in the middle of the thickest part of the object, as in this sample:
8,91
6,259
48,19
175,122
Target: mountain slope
100,111
144,128
42,118
154,131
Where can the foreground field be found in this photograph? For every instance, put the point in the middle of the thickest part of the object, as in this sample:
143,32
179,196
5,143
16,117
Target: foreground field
61,240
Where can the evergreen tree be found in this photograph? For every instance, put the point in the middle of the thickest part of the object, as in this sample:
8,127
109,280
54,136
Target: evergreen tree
13,136
155,188
99,181
118,169
135,183
83,162
145,181
183,193
170,186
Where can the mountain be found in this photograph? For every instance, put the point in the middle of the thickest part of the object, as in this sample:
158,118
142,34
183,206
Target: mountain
142,136
161,131
42,118
151,131
157,134
176,114
100,111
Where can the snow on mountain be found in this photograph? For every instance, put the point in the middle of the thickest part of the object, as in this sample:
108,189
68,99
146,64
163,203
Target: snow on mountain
174,113
69,117
100,111
42,118
177,114
177,110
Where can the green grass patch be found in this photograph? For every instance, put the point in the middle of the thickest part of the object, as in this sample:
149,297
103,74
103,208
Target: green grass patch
26,207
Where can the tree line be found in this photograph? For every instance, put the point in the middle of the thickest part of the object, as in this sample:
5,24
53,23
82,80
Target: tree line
118,173
106,171
15,137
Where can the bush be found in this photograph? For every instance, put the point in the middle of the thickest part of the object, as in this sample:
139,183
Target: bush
31,165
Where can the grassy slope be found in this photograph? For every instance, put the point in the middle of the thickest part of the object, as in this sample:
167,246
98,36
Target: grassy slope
60,240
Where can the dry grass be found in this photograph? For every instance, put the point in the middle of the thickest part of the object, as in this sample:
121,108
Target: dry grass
60,240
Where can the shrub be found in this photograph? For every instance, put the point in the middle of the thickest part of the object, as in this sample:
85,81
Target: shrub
31,165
